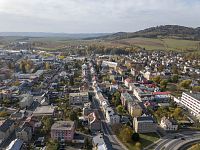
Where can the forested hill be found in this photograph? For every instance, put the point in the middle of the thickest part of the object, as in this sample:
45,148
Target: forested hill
166,31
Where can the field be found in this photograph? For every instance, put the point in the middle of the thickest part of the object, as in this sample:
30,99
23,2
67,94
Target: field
53,43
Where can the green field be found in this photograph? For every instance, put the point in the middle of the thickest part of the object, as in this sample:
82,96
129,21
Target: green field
162,44
53,43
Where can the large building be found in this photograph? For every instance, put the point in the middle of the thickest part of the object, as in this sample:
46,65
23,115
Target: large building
144,124
63,130
192,102
78,98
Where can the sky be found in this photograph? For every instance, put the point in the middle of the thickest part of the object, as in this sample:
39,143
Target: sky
95,16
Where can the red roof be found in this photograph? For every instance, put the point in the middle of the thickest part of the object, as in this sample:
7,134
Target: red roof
161,93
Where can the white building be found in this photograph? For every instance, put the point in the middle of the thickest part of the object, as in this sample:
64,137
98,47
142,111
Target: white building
111,116
26,101
168,124
192,102
78,98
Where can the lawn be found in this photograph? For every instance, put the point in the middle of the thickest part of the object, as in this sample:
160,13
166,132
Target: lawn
145,140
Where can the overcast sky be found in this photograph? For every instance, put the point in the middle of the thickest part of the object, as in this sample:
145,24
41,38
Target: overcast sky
89,16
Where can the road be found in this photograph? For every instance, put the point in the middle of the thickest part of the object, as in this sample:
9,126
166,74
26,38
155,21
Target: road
174,140
110,137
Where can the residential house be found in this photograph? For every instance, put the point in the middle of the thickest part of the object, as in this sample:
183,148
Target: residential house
78,98
63,130
168,124
144,124
111,116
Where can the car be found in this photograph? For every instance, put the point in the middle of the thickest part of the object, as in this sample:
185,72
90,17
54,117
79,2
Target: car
182,138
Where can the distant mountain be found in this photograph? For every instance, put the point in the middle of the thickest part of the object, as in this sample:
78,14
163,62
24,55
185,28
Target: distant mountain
46,34
169,31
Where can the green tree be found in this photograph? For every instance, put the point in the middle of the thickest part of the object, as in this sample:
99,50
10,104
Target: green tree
135,137
138,145
120,109
73,116
174,78
156,79
185,84
196,88
52,145
163,83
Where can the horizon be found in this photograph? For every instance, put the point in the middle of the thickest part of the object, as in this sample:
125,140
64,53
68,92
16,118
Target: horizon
101,16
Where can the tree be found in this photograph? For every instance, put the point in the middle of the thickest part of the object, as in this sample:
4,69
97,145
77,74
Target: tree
135,137
174,69
161,68
185,84
196,88
47,66
52,145
195,147
174,78
177,112
47,122
3,114
87,144
163,83
73,116
126,134
116,98
22,66
157,79
138,145
120,109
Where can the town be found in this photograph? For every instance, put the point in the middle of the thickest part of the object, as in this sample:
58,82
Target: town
56,100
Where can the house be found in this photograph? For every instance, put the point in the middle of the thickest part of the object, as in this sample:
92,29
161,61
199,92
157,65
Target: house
33,122
78,98
134,109
125,98
111,116
144,124
26,101
24,133
192,102
99,142
94,121
127,82
6,129
18,115
63,130
168,124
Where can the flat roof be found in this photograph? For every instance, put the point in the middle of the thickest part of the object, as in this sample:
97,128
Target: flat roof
63,125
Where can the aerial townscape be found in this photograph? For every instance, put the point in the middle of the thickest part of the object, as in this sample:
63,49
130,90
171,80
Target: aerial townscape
69,80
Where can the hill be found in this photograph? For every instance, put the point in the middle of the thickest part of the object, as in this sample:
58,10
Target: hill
166,31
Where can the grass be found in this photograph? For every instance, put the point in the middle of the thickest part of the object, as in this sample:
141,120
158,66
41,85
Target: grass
145,140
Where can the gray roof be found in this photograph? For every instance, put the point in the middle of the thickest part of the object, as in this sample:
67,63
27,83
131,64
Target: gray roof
6,125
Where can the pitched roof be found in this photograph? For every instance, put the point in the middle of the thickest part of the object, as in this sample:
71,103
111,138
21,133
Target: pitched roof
6,125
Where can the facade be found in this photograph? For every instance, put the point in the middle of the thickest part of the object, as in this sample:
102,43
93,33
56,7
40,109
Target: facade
134,109
78,98
144,124
26,101
111,116
63,130
125,99
168,124
192,102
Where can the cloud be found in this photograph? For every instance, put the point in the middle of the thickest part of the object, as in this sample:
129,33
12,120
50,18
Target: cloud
95,16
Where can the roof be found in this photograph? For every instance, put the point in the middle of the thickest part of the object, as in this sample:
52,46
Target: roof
44,110
63,125
161,93
15,145
6,125
194,95
145,119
